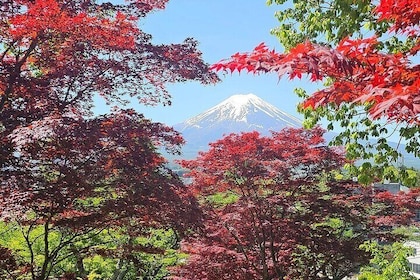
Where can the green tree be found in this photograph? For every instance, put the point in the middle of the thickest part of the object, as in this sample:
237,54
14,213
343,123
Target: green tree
100,262
389,262
409,177
325,21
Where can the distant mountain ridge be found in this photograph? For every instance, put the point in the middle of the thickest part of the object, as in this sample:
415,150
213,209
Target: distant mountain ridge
245,113
238,113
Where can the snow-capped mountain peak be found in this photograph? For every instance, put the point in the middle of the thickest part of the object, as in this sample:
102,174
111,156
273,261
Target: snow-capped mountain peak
241,108
237,106
238,113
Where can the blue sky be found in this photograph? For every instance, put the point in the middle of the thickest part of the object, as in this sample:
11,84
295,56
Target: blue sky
222,29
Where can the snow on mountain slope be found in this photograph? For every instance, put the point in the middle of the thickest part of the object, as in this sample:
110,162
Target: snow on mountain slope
238,113
243,108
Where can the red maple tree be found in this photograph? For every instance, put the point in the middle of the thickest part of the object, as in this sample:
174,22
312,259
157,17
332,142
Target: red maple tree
65,170
359,70
81,177
289,219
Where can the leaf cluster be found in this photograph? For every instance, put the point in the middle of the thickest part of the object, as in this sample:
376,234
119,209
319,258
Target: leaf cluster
388,262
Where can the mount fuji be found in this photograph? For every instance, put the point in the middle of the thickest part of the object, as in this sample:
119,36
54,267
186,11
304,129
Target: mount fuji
245,113
238,113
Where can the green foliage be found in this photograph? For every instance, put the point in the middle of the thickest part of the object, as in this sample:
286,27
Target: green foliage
99,267
411,178
327,22
323,20
407,176
27,243
365,140
330,21
99,262
221,199
154,266
411,233
389,262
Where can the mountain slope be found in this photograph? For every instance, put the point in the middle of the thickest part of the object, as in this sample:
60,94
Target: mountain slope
244,113
238,113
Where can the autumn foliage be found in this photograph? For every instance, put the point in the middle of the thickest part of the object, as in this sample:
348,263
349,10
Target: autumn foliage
63,182
360,72
289,218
